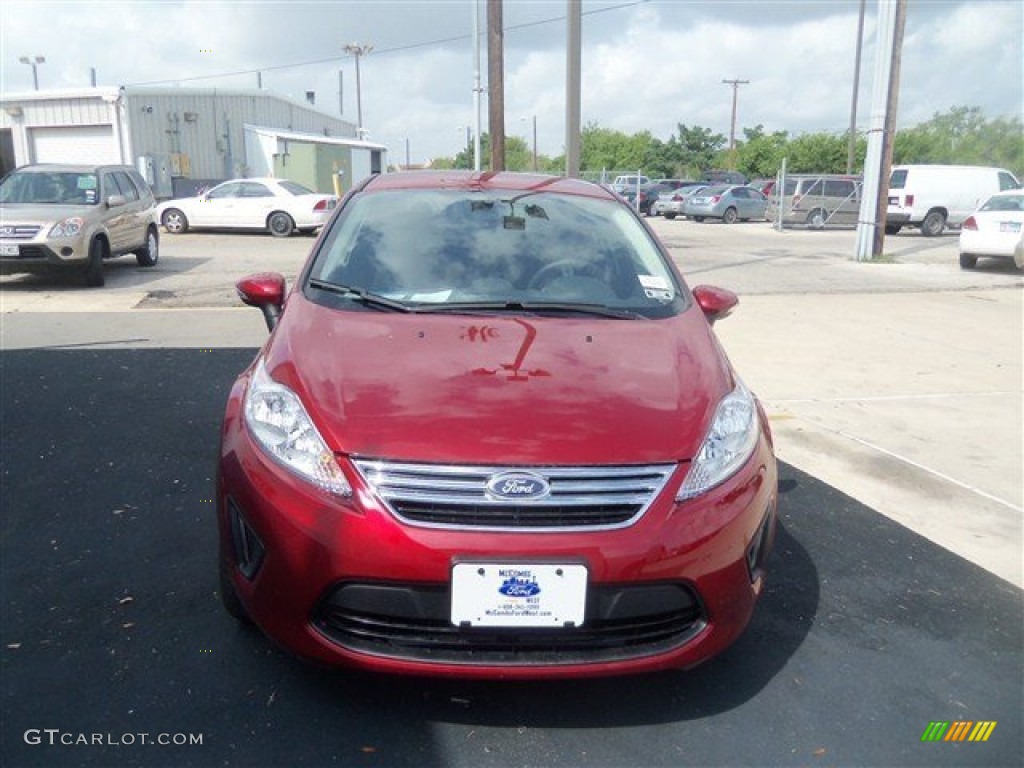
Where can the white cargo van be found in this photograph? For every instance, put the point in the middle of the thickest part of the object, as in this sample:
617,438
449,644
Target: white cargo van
933,197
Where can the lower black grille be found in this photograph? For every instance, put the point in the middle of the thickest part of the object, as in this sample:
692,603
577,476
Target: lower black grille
412,622
31,252
517,515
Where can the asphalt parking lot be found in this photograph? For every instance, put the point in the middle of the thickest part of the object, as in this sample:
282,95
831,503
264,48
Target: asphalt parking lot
894,597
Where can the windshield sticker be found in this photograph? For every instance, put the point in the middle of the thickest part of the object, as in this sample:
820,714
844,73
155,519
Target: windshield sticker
655,281
87,182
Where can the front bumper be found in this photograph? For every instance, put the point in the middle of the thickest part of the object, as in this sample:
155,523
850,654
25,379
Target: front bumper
346,583
42,255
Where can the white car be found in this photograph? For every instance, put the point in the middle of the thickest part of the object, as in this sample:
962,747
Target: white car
995,230
278,205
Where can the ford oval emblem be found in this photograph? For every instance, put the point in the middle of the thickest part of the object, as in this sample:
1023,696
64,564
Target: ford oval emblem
517,486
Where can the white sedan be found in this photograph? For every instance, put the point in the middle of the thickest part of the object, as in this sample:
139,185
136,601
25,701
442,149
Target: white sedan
278,205
996,229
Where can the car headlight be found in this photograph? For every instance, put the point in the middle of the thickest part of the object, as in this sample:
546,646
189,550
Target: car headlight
728,444
279,423
67,227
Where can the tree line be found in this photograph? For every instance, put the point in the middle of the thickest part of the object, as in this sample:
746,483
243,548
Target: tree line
963,136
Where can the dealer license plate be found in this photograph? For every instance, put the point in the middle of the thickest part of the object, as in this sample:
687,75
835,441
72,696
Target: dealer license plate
1009,226
518,595
8,250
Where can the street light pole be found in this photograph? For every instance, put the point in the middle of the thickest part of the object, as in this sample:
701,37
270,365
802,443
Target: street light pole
534,119
33,62
534,143
358,51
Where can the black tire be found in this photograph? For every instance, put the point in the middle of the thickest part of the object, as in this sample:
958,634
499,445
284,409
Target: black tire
93,274
934,224
280,224
967,261
149,254
174,221
816,219
730,216
670,216
698,219
229,597
893,229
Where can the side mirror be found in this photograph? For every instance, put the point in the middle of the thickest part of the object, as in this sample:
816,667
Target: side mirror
115,201
714,302
264,291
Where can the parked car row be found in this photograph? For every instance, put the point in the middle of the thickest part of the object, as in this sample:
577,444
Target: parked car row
697,201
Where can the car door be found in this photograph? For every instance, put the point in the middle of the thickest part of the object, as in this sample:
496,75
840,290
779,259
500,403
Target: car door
117,218
254,204
741,199
216,208
136,219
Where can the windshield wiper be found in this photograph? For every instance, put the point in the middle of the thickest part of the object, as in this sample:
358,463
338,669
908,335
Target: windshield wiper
534,307
358,294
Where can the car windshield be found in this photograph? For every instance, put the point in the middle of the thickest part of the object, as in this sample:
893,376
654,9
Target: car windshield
295,189
708,191
50,188
1005,203
444,250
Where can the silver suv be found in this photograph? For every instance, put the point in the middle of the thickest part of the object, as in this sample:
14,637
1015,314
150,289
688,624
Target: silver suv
72,217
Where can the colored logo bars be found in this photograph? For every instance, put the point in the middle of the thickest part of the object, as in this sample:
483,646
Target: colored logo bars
960,730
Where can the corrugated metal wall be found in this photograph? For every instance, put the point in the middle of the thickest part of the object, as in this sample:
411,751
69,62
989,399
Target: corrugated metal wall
88,110
207,125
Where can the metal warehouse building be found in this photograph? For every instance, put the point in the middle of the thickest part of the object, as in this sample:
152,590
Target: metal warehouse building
183,138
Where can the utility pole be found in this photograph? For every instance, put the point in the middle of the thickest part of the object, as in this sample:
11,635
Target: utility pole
892,100
892,16
573,58
358,51
852,139
732,126
496,84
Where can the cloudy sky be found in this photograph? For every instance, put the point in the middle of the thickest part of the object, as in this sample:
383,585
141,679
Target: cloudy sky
647,65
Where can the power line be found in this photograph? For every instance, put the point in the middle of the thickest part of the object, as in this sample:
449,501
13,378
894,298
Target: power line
379,52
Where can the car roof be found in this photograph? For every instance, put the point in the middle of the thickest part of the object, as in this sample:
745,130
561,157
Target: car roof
70,168
486,181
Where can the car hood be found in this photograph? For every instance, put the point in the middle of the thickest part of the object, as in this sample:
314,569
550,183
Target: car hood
502,389
36,213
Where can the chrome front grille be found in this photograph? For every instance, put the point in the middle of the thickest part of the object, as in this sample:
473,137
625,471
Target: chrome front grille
579,498
19,231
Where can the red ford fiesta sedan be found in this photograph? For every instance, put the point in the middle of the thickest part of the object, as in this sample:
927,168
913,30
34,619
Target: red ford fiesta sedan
492,434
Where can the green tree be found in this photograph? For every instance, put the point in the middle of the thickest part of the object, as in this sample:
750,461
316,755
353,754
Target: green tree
760,155
817,153
606,149
963,136
696,150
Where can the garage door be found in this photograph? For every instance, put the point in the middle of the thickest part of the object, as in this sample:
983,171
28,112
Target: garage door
74,144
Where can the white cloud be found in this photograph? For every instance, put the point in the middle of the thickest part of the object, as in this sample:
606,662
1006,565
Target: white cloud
647,66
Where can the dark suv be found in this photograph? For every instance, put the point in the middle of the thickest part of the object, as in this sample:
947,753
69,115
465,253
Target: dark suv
72,217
